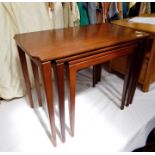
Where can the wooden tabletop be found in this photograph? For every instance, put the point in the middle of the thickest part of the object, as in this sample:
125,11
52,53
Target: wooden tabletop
60,43
150,28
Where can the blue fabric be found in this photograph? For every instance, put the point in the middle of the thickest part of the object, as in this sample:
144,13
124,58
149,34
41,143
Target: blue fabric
125,15
113,9
92,12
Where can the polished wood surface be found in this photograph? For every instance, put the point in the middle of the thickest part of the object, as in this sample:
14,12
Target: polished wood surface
76,48
150,28
97,74
23,62
48,86
60,43
59,70
37,82
136,50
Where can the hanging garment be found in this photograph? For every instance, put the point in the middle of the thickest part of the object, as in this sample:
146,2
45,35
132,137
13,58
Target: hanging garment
131,4
30,16
50,8
105,7
125,15
92,12
71,14
99,12
120,9
134,10
10,74
75,14
66,14
27,17
83,13
145,8
113,13
50,5
58,15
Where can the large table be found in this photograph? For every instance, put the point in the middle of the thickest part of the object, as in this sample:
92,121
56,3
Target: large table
78,48
147,75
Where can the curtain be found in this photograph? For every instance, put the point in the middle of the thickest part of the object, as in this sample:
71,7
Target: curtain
17,18
10,74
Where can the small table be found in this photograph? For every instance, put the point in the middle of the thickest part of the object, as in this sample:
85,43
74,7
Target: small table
77,48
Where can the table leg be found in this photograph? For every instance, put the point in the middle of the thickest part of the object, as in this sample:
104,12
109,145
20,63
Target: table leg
72,88
128,80
23,62
96,74
135,74
37,83
47,80
131,82
60,86
99,70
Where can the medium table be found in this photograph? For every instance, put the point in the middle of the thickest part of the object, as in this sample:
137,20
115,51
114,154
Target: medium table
77,48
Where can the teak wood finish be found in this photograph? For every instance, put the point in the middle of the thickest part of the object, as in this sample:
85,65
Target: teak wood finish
77,48
147,75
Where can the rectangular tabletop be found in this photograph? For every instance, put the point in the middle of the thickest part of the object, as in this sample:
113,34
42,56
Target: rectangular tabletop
55,44
150,28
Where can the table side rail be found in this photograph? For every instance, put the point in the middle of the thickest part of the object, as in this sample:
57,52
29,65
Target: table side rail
102,57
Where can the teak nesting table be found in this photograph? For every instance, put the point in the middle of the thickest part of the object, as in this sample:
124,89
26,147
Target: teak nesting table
74,49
